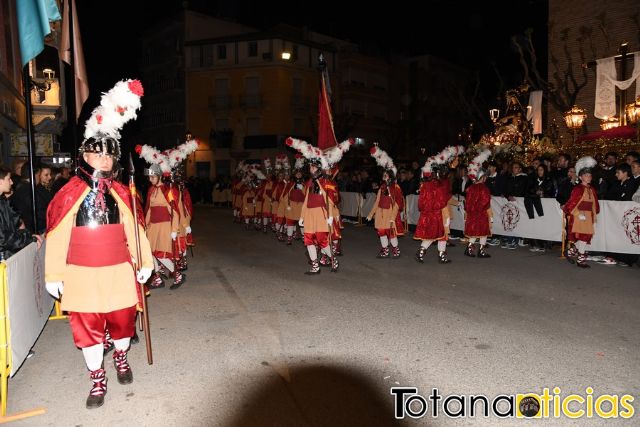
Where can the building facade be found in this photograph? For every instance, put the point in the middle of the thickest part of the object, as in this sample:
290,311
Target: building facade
582,31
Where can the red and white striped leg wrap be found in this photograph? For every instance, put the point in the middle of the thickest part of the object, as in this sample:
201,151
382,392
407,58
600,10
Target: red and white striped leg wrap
120,360
99,383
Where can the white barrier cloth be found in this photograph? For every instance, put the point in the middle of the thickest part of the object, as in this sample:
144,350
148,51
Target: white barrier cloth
29,303
617,228
349,204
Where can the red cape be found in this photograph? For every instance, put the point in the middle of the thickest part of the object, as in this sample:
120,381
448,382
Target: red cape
71,192
165,192
186,202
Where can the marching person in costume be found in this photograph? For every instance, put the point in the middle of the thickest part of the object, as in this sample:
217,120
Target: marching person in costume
388,207
185,208
91,244
333,156
266,194
581,210
278,189
294,198
236,191
169,164
162,217
477,206
319,206
433,204
249,197
280,220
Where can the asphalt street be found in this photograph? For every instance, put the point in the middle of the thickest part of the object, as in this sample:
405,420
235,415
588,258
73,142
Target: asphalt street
249,340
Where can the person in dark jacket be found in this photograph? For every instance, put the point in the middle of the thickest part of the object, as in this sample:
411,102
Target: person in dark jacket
13,235
564,190
22,200
60,180
624,188
623,191
540,186
516,186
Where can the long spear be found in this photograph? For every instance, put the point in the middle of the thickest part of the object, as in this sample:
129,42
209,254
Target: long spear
134,208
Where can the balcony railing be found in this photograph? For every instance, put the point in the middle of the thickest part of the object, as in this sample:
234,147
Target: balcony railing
253,101
220,102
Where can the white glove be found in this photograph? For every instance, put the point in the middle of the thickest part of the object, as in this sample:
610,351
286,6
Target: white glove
54,289
491,219
582,217
447,222
301,222
174,235
330,220
188,230
144,274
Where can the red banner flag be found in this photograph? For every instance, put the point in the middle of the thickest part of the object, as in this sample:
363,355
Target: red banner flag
326,134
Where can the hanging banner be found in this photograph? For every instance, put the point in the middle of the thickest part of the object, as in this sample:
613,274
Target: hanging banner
43,145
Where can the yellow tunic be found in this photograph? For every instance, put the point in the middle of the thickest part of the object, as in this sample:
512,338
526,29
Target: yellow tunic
94,289
159,233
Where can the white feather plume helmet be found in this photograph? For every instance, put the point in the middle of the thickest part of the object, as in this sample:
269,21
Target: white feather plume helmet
285,162
309,152
442,158
240,166
117,106
299,163
334,154
476,164
170,159
383,159
585,163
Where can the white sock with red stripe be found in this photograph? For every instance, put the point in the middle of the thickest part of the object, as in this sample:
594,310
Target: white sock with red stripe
93,356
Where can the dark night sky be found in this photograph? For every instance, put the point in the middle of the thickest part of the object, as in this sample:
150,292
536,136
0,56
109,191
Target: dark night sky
469,33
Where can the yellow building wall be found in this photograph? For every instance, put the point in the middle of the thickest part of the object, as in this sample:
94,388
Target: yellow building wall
276,112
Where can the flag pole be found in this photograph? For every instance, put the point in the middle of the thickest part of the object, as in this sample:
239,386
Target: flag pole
72,64
26,78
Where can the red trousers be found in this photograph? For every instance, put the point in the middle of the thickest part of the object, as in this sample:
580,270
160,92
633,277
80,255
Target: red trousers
389,232
321,238
88,329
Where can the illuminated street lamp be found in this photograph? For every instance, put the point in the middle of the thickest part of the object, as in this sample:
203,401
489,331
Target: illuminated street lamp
574,119
633,115
286,56
610,123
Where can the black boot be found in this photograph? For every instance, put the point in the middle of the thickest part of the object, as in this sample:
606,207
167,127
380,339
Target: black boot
482,253
442,258
420,254
395,251
384,253
582,261
125,376
334,265
571,253
178,280
315,268
470,250
99,389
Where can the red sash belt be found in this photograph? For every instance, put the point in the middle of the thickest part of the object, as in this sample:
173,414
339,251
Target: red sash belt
99,246
296,196
315,201
385,202
160,214
585,206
